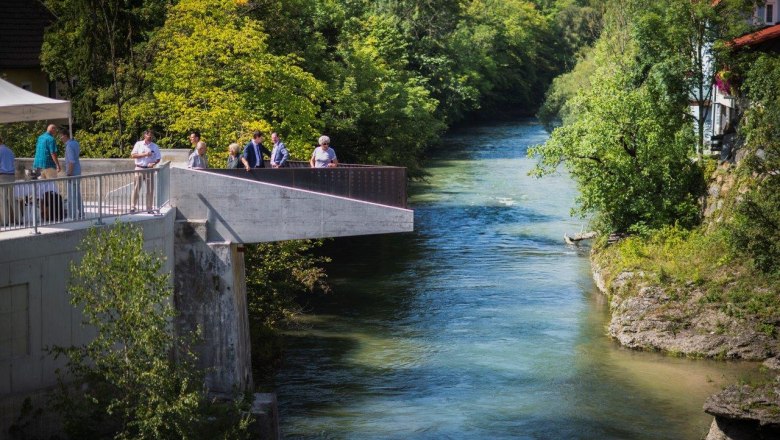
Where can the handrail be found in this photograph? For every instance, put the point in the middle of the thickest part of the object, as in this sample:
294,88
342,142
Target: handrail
93,197
384,185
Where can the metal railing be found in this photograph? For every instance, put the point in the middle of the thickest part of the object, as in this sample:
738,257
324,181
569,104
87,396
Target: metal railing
376,184
35,203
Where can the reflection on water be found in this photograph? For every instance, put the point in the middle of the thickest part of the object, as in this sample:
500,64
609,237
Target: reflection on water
481,323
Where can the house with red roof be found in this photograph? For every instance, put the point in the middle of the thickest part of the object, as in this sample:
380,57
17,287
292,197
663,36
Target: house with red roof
765,38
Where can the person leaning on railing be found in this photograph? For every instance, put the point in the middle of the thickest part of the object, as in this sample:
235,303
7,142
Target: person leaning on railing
73,168
253,152
279,154
146,154
323,156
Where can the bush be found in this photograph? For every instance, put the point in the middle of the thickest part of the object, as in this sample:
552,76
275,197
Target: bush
137,377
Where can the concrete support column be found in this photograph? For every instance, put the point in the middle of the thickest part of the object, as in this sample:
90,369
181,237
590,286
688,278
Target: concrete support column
210,296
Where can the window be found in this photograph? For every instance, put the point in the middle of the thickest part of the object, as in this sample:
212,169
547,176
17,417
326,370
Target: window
27,86
770,13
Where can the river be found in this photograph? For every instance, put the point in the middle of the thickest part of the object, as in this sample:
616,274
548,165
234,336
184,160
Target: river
482,324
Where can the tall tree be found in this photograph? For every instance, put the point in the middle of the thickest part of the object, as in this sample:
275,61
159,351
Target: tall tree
97,50
213,72
380,111
627,143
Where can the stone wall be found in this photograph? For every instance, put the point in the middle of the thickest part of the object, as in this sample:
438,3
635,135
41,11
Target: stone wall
210,296
177,156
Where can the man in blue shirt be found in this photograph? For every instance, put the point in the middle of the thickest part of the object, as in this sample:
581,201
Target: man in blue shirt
46,154
279,154
72,169
7,172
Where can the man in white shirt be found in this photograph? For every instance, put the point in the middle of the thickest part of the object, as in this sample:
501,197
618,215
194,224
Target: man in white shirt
146,154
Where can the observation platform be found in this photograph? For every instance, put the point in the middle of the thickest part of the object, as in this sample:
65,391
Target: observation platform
238,206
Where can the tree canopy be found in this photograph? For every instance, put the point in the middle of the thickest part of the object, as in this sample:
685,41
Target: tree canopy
383,79
627,132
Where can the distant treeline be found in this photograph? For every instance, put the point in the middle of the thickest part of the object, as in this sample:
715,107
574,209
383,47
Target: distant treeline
382,78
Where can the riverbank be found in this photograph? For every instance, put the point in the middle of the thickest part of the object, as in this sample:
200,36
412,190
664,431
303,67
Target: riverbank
679,320
684,293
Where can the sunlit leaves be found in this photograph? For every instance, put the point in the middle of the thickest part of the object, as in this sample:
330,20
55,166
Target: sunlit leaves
214,73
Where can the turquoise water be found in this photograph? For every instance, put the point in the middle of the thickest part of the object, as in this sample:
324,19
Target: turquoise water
481,324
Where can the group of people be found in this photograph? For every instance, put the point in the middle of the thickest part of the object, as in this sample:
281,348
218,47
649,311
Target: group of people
146,154
46,165
252,156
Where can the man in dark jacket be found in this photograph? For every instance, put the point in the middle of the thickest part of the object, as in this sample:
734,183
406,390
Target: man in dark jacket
253,152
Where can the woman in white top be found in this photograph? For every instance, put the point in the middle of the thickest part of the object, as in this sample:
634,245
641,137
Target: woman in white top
323,156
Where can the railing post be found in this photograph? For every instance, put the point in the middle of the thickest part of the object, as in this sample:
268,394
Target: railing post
100,200
35,207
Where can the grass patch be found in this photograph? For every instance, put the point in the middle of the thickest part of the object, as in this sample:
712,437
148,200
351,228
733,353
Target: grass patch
680,261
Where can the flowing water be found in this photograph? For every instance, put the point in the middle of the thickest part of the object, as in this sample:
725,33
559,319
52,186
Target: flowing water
482,324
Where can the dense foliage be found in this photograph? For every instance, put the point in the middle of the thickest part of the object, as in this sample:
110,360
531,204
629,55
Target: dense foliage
627,134
383,79
755,231
627,131
627,138
138,376
281,269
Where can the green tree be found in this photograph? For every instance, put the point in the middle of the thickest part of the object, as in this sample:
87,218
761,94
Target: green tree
755,231
139,375
136,378
625,144
380,112
213,72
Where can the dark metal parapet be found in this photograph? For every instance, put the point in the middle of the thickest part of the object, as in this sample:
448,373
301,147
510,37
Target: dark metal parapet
376,184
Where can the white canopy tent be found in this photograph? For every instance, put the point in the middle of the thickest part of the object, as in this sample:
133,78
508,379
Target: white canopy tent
19,105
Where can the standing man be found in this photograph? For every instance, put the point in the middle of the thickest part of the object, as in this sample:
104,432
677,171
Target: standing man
194,139
73,168
7,173
253,152
198,159
279,154
146,154
46,154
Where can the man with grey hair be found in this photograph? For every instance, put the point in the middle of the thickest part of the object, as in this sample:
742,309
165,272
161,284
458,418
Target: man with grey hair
46,154
198,159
